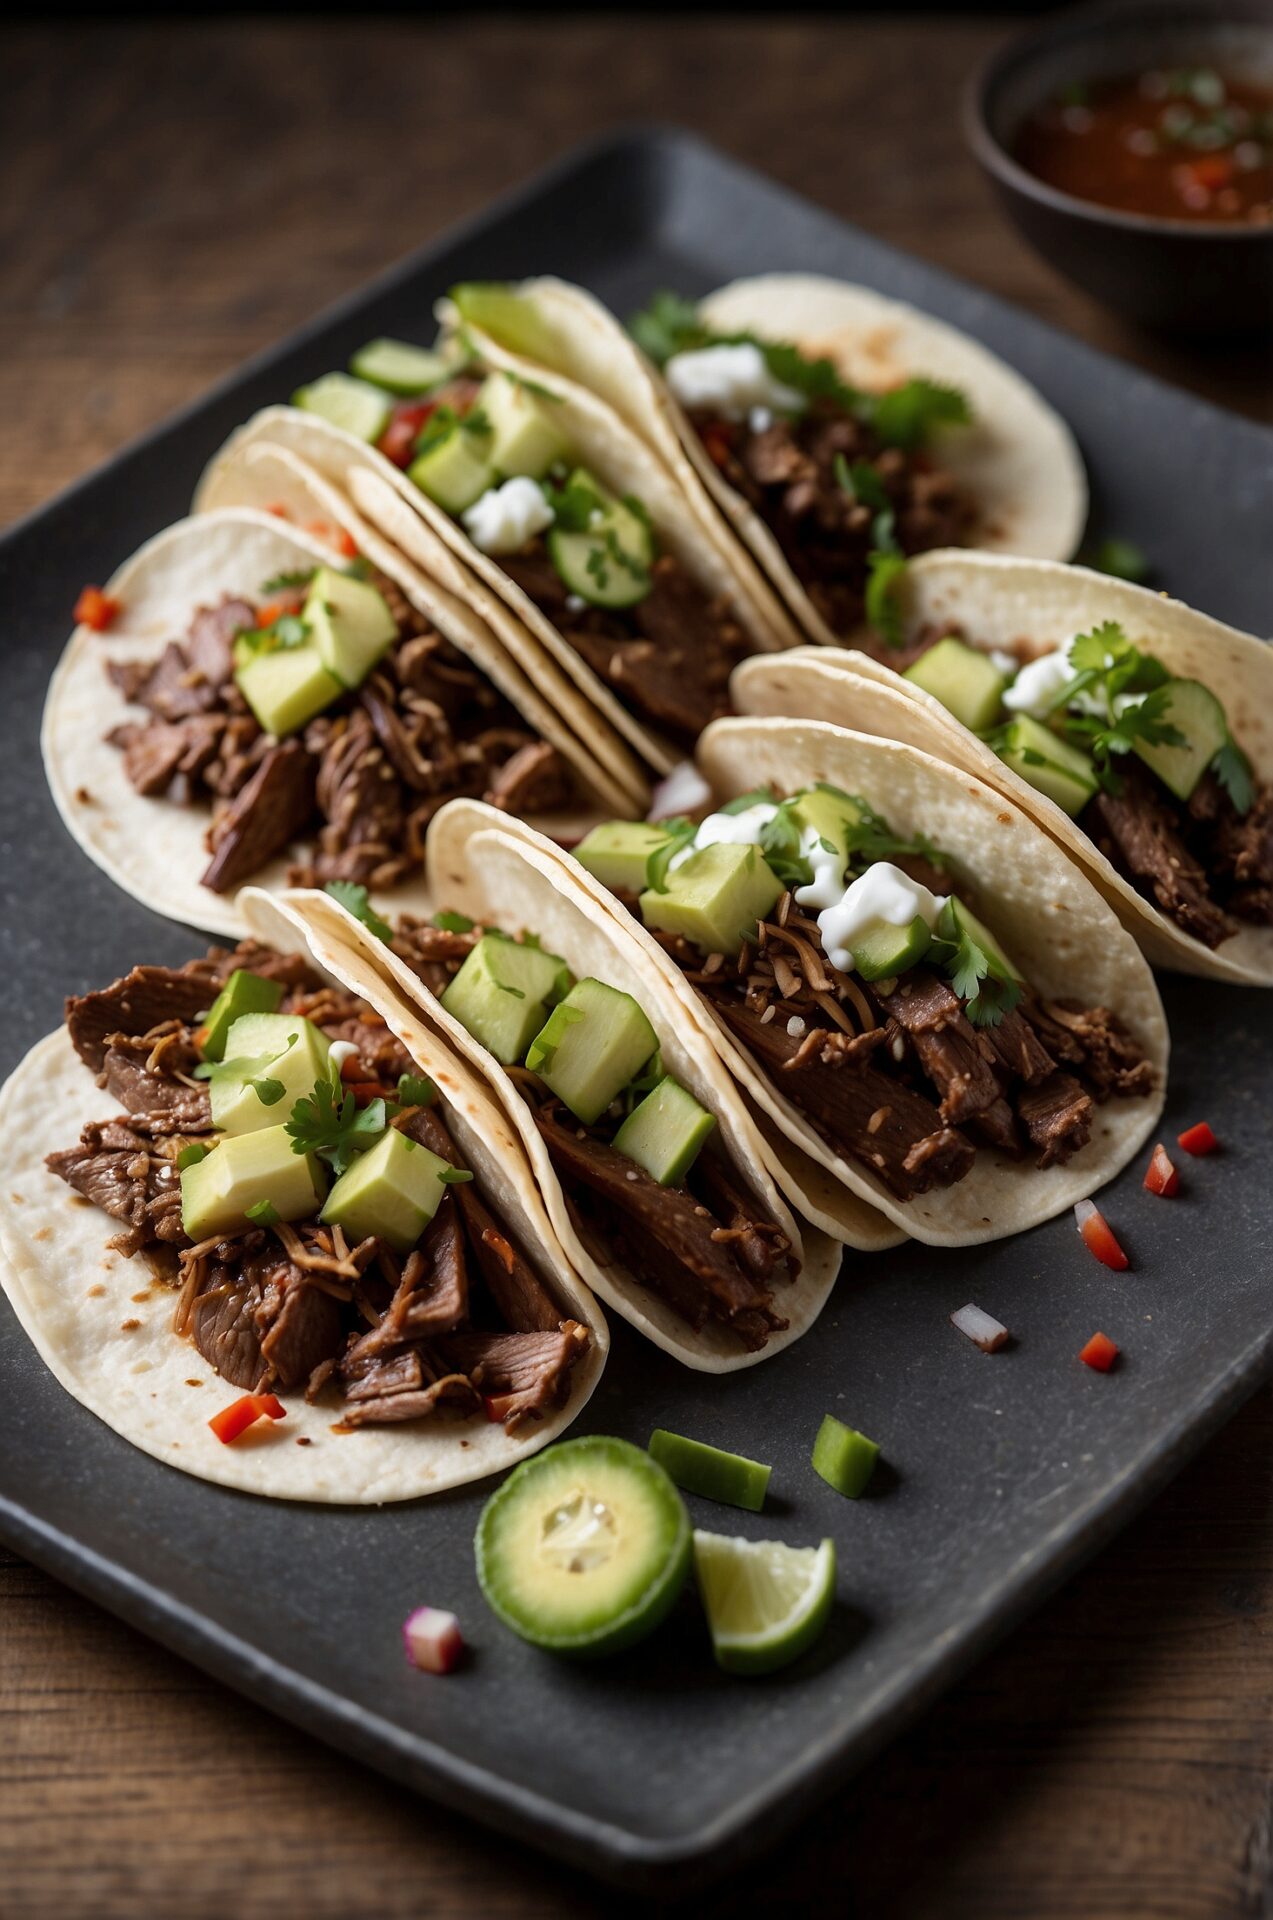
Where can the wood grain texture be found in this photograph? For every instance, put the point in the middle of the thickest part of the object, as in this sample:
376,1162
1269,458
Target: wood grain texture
173,200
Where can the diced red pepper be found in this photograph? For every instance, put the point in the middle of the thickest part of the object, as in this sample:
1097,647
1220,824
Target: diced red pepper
346,544
1098,1238
242,1414
1199,1139
1100,1352
1160,1176
97,609
397,442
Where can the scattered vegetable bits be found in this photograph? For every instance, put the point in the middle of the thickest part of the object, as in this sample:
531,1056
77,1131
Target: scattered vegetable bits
1161,1176
1100,1352
729,1477
97,609
844,1458
1098,1236
981,1328
765,1602
433,1640
1198,1140
242,1414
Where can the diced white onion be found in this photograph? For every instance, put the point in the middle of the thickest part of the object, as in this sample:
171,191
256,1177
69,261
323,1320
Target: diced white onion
433,1640
981,1328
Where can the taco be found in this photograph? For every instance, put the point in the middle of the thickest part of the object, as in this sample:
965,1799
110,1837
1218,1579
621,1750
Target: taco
338,1221
1137,732
657,1181
835,430
270,704
906,976
567,535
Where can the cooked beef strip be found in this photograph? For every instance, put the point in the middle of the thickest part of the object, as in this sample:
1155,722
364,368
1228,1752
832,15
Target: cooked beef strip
136,1186
759,1245
1020,1053
1241,849
951,1052
532,780
1108,1056
156,1092
1057,1116
528,1370
263,819
453,1393
139,1002
1139,832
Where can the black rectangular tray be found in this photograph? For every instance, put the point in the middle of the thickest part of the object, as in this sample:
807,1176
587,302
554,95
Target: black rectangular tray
1000,1474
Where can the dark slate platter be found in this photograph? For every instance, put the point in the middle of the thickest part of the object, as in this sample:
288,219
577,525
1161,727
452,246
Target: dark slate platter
1000,1474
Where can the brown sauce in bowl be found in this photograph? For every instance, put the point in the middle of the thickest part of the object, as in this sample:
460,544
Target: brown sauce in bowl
1185,144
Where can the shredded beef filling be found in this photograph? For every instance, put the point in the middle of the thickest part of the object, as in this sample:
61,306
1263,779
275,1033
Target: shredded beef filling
363,780
787,471
464,1323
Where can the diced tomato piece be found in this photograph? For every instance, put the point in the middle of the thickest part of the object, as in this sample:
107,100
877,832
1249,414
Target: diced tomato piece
497,1405
1100,1352
365,1091
97,609
1098,1238
332,535
1213,170
242,1414
397,442
1160,1176
280,512
1198,1140
346,544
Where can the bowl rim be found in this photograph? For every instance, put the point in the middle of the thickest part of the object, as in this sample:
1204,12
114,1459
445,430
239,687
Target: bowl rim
1076,25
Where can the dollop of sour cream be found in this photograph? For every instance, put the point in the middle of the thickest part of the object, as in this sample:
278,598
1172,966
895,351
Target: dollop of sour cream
727,829
1038,683
884,895
827,884
729,380
340,1051
507,516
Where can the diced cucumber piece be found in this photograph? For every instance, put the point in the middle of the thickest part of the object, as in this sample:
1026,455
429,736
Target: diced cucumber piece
966,681
584,1549
828,812
716,898
510,318
456,471
592,1045
608,563
502,993
242,993
400,367
393,1191
245,1170
730,1478
1196,712
1051,765
885,951
287,687
956,918
272,1060
617,852
525,438
844,1458
360,409
665,1133
350,624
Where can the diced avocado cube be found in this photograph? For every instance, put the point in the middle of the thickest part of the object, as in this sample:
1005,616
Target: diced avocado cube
350,624
502,993
456,471
242,993
510,318
715,899
665,1133
827,810
967,682
287,687
393,1191
593,1044
1194,711
617,852
956,918
885,951
525,436
244,1170
271,1061
344,402
399,367
1061,771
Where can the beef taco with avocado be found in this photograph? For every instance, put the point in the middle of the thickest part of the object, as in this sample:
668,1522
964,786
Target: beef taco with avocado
1137,732
918,990
569,538
271,698
833,430
658,1182
260,1219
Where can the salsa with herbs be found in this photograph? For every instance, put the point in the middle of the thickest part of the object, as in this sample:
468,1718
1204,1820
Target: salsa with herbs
1185,144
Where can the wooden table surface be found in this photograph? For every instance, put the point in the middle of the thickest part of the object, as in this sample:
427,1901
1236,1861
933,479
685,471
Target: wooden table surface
175,199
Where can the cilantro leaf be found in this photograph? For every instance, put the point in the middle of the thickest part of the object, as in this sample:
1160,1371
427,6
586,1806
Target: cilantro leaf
416,1090
574,503
862,483
885,574
454,1176
907,416
453,922
337,1130
285,582
680,832
263,1212
668,325
982,982
356,900
780,845
191,1155
754,797
868,836
1101,649
1233,770
1122,559
283,633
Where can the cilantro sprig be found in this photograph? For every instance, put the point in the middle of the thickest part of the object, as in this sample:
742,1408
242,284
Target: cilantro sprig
869,837
1233,770
980,978
1126,700
288,630
335,1127
356,900
251,1070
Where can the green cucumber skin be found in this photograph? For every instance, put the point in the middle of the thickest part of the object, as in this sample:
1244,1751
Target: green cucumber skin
715,1474
569,555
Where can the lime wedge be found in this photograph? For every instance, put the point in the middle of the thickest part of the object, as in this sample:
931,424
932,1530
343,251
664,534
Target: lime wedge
765,1602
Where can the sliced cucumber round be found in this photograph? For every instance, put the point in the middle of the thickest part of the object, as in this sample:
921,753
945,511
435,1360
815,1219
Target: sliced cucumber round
584,1548
360,409
400,367
608,563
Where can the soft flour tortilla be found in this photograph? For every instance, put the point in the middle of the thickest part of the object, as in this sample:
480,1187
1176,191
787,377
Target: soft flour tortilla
1017,459
103,1326
1037,606
1050,919
498,878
